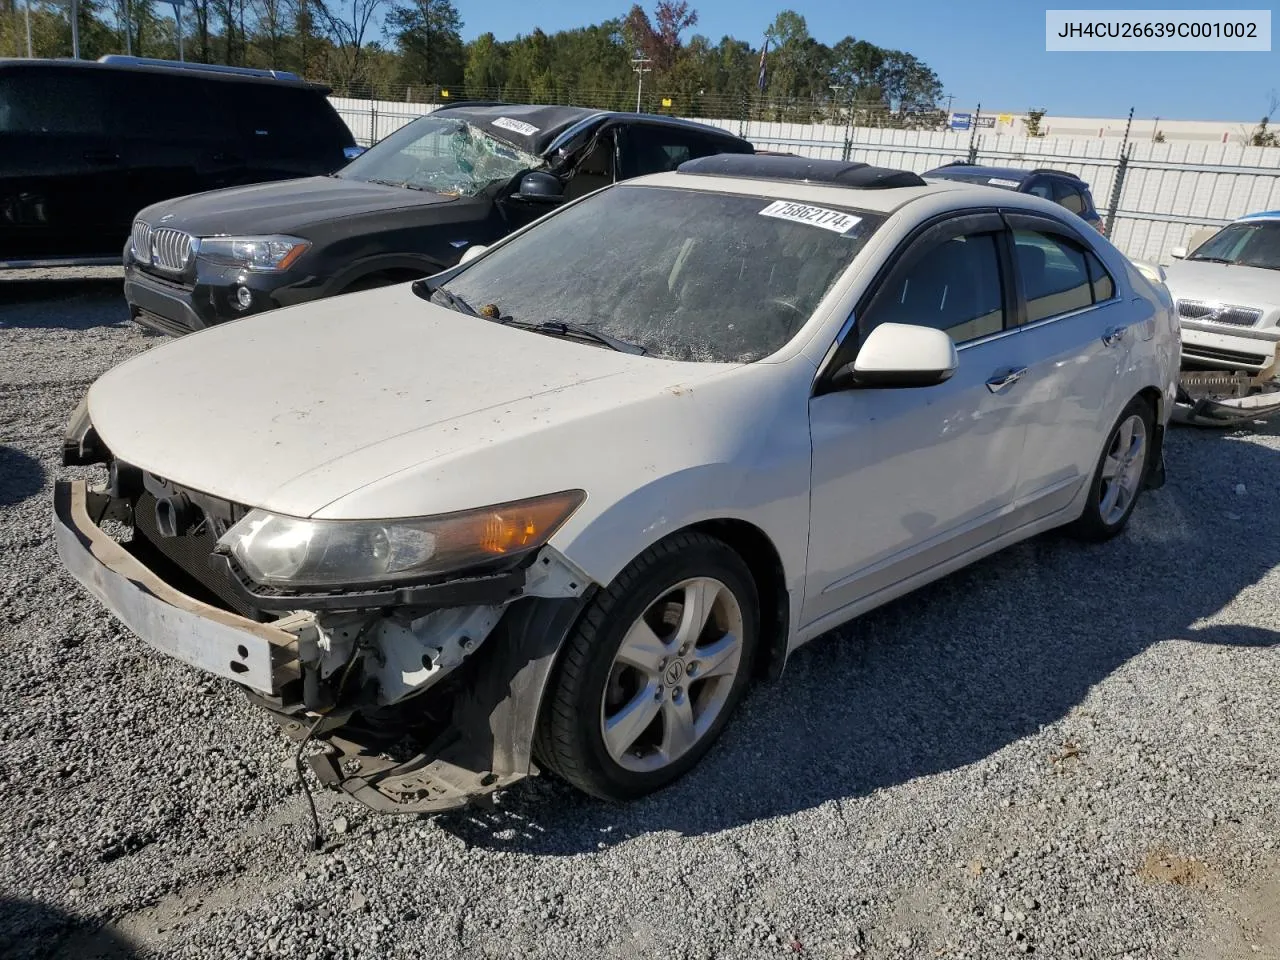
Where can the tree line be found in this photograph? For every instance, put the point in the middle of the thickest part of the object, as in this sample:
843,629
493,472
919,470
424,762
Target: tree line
413,50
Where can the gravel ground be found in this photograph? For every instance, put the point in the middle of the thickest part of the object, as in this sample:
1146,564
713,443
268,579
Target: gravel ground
1064,751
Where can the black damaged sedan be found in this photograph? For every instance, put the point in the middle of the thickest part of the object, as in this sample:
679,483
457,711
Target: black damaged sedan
409,207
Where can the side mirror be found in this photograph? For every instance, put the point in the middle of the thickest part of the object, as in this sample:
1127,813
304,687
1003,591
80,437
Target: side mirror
540,187
1178,253
352,152
472,252
900,355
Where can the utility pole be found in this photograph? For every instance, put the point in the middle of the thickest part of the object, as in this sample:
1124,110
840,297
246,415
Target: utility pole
29,54
75,29
638,65
177,19
128,29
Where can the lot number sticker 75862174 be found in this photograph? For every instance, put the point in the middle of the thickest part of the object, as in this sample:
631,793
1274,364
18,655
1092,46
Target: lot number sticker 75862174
834,220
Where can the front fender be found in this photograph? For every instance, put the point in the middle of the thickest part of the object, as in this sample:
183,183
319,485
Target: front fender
381,263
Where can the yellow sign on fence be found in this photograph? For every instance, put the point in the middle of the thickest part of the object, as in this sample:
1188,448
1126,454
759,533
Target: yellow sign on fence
444,94
666,101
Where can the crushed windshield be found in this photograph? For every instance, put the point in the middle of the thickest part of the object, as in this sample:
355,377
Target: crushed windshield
1247,244
450,157
681,274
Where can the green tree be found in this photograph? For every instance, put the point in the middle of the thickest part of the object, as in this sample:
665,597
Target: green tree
428,36
486,69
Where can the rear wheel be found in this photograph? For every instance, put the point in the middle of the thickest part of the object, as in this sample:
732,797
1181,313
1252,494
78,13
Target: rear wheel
1120,474
652,671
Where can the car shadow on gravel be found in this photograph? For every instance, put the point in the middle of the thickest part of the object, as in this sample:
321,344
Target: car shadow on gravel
954,672
30,930
62,305
21,476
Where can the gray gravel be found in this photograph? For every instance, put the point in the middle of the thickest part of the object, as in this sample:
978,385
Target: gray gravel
1064,751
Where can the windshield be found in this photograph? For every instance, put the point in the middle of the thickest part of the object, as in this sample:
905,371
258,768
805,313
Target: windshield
440,155
686,275
1247,244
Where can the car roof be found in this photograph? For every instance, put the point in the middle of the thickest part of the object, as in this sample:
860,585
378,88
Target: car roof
120,64
1262,215
540,128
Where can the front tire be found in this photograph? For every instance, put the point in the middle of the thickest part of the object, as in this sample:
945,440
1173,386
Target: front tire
1120,475
652,671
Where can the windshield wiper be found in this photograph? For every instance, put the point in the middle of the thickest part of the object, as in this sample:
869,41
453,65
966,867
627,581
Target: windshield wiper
454,301
1212,259
571,331
404,184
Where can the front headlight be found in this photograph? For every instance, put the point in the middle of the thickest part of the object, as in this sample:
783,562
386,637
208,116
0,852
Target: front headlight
268,254
276,550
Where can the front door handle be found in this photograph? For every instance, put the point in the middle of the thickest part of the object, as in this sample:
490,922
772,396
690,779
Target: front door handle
1005,378
101,157
1113,336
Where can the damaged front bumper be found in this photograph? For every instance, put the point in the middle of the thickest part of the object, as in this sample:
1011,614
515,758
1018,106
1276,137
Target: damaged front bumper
417,708
1219,398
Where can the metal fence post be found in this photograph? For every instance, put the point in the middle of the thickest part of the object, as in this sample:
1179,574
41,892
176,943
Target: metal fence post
1116,187
373,122
742,117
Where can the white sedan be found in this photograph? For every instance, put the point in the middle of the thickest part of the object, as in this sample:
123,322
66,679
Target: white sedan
1227,293
558,505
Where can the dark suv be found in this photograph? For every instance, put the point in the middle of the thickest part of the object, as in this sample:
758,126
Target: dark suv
463,176
1063,188
85,145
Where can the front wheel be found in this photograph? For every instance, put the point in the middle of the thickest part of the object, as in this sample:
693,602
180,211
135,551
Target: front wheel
652,671
1120,474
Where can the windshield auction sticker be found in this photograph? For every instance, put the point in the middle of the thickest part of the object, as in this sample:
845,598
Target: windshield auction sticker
834,220
516,126
1145,30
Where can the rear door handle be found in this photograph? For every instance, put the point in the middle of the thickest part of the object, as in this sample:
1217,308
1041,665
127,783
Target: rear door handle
1005,378
101,157
227,158
1113,336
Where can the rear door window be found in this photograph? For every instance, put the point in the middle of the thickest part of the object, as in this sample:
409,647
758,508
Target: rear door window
177,108
1068,195
67,102
1040,187
279,114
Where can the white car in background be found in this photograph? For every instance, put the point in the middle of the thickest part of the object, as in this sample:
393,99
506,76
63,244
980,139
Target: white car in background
559,504
1227,294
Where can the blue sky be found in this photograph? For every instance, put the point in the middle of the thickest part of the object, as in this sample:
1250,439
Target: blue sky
990,52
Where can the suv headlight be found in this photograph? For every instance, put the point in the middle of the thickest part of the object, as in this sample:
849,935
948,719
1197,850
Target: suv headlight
276,550
267,254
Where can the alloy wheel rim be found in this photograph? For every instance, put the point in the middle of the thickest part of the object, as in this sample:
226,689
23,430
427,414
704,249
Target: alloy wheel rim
1122,469
672,675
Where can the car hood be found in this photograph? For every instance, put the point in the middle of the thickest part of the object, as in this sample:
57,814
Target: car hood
1224,283
283,206
295,409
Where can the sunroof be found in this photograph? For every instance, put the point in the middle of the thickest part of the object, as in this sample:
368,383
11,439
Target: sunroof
801,170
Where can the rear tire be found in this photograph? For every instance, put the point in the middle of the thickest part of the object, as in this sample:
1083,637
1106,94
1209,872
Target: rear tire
1120,475
652,671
